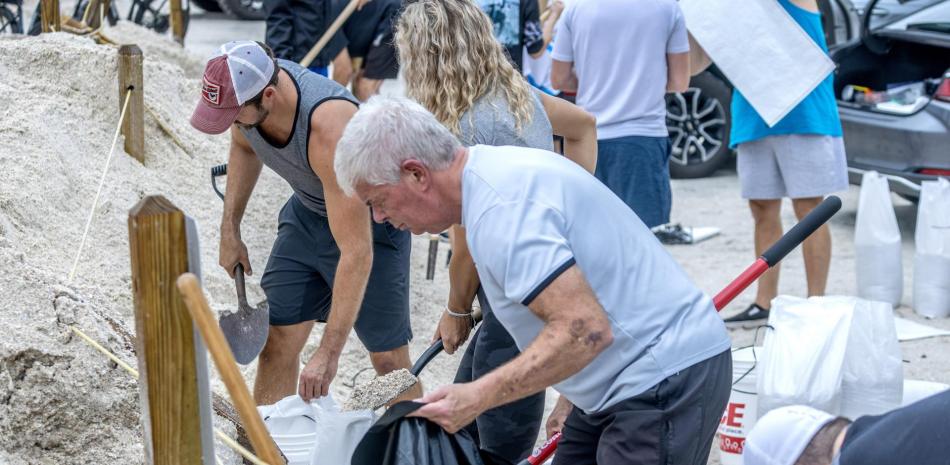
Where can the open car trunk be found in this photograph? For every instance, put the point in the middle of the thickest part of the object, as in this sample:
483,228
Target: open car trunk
904,63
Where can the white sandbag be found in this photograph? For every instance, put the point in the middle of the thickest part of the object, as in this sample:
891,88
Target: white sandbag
932,260
338,432
877,243
803,354
872,380
315,433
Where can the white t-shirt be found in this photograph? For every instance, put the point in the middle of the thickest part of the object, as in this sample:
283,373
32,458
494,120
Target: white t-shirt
619,49
529,215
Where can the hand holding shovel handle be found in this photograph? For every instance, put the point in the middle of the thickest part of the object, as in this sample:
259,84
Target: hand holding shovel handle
795,236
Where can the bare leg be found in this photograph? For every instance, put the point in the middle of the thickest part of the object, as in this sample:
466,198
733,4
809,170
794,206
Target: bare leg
385,362
364,88
768,230
342,68
816,249
279,363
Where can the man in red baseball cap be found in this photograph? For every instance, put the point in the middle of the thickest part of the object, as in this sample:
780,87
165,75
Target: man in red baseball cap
328,253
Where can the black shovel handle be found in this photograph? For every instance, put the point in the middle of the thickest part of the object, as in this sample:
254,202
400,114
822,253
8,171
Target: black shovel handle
434,350
809,224
216,172
239,284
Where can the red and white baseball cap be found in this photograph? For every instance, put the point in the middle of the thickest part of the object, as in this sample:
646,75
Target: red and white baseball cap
237,73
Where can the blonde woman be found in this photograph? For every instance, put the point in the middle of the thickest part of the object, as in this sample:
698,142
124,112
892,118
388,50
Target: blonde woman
455,68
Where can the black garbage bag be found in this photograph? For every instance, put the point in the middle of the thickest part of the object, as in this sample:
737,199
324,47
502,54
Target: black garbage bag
399,440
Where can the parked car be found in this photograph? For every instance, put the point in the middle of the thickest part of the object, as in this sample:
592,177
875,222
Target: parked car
878,46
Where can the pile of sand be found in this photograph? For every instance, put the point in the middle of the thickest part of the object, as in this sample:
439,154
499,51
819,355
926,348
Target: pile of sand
61,401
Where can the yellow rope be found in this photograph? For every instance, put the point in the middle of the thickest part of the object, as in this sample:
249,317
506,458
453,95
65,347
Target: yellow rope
132,371
102,181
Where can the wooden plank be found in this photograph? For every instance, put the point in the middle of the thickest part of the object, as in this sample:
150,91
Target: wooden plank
130,77
49,15
165,344
200,312
177,18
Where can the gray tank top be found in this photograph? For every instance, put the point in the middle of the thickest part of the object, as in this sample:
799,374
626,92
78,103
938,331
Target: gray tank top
290,160
490,122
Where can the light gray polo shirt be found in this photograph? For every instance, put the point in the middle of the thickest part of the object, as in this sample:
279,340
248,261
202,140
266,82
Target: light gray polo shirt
529,216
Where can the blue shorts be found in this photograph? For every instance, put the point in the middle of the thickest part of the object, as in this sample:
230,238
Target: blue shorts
298,279
637,169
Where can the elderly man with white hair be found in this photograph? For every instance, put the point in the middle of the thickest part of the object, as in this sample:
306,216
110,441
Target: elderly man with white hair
599,309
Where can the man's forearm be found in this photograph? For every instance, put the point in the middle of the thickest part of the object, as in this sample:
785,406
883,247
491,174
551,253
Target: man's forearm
349,285
463,277
243,171
561,349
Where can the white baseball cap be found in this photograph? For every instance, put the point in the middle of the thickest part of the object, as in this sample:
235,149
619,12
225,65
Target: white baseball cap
780,437
236,73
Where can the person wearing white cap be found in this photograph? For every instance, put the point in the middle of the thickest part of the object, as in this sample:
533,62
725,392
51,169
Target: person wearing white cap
918,434
329,263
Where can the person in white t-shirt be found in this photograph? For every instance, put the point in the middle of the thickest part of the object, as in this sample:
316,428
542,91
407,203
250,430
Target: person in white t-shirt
621,57
599,309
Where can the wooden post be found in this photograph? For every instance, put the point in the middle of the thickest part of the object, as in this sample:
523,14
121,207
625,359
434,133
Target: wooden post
223,358
130,77
98,11
165,342
49,15
178,21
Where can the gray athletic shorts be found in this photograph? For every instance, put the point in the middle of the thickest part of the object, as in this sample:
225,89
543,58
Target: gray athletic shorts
792,165
298,280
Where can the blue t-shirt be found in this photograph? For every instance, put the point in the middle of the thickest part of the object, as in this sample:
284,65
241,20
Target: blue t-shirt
529,215
816,114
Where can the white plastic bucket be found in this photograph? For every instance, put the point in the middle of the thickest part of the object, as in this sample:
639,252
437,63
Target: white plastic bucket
740,415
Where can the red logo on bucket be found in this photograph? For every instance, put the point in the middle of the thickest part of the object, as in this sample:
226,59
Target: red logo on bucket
731,444
733,415
211,93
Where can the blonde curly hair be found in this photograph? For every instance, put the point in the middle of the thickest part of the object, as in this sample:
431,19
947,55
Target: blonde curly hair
450,58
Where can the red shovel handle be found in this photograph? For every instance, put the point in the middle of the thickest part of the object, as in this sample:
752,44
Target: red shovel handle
795,236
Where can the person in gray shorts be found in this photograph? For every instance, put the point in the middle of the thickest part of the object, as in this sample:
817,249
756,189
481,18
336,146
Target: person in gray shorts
327,254
800,157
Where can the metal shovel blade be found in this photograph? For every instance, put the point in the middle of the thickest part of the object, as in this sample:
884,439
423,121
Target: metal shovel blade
246,329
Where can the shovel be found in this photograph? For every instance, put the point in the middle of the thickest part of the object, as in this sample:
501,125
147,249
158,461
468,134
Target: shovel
245,329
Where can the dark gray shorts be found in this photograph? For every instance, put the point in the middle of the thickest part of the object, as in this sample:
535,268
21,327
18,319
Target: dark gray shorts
672,423
298,280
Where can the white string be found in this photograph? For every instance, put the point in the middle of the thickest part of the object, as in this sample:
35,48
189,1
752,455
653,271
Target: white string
102,181
132,371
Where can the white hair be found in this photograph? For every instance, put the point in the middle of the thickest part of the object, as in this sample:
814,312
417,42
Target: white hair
385,132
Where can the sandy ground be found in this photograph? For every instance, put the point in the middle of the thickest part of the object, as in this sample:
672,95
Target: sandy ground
61,402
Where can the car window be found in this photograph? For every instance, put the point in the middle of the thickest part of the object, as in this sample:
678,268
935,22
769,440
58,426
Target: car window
935,18
889,11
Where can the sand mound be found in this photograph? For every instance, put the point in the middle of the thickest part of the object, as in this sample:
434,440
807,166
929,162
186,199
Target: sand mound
60,401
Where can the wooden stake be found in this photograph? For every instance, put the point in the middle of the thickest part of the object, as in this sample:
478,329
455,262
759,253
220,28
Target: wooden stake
177,18
49,15
214,339
95,13
165,341
130,76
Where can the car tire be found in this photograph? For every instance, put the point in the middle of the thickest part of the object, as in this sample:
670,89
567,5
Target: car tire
248,10
210,6
699,121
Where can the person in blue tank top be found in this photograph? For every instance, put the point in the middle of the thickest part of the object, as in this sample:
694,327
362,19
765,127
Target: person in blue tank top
288,118
801,157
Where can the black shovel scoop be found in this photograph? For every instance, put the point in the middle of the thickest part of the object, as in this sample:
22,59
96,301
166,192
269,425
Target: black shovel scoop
245,329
